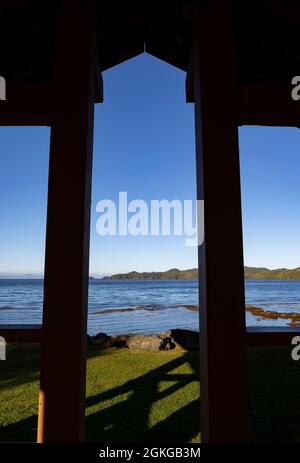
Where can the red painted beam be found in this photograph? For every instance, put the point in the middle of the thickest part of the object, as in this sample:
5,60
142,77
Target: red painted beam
27,105
63,362
271,336
224,404
21,333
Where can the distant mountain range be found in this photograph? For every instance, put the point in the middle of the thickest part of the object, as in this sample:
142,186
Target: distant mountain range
192,274
19,276
32,276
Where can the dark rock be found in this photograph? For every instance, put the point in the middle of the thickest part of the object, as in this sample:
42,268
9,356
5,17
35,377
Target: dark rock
168,343
102,339
186,339
120,340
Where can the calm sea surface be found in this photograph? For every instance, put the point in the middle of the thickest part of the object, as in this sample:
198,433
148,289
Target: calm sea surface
21,303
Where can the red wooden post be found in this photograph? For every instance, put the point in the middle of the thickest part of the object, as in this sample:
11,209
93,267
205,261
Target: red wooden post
221,274
62,390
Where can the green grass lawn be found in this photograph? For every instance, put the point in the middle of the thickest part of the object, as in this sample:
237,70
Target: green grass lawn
151,397
131,396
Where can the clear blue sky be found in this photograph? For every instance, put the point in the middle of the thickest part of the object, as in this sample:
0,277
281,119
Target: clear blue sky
144,144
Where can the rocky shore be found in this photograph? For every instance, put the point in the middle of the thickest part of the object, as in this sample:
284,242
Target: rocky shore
169,340
177,338
261,314
293,317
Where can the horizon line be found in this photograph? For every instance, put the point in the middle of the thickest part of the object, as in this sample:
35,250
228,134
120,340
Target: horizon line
17,275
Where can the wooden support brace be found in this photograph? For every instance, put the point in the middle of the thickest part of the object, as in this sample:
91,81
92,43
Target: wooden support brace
27,105
257,104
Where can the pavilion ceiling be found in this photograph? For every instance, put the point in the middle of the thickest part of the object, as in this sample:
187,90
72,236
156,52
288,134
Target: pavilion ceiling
266,37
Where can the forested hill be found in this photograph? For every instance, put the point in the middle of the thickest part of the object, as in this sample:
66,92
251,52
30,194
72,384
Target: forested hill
191,274
279,273
172,274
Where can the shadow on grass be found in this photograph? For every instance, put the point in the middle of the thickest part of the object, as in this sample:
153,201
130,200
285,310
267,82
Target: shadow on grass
22,431
128,421
274,391
21,366
274,388
22,363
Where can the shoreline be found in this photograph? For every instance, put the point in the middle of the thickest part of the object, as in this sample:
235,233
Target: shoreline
259,312
263,314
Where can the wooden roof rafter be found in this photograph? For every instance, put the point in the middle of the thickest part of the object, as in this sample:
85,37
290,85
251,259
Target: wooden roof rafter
267,52
287,10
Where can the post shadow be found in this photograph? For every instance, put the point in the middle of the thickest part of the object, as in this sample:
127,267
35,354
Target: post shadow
128,420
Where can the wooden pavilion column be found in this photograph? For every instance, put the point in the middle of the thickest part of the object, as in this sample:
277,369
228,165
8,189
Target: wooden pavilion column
63,362
221,274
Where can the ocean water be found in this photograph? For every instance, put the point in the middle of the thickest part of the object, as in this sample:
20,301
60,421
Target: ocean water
154,305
